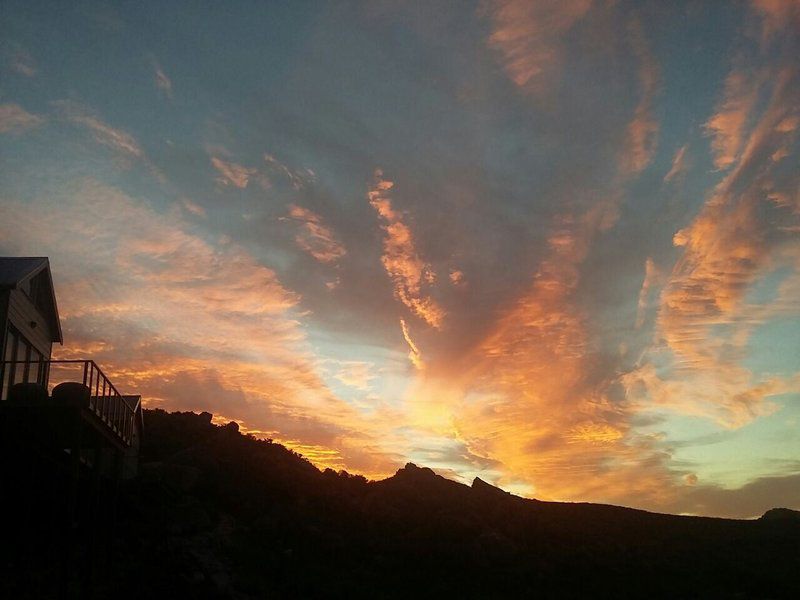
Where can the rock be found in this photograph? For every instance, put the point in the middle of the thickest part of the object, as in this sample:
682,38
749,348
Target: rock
413,471
480,486
780,514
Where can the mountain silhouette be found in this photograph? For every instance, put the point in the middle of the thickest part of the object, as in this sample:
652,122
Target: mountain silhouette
218,514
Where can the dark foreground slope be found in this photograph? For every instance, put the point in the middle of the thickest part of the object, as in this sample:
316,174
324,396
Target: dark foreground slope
218,514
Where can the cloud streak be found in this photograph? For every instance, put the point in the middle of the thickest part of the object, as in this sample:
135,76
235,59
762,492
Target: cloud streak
414,355
116,139
162,82
314,237
642,132
233,174
411,276
15,120
680,163
727,126
528,37
650,279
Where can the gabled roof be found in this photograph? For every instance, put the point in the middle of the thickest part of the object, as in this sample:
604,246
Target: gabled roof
14,271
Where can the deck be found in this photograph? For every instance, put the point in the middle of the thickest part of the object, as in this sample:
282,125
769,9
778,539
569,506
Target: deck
104,412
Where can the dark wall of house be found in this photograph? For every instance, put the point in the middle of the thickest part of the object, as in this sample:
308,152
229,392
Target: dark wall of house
22,313
130,463
3,319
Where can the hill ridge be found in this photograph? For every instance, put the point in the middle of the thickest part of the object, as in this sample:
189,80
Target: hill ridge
239,517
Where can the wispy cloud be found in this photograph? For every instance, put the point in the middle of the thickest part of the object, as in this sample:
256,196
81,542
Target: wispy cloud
193,208
298,179
116,139
314,237
705,318
410,275
414,355
14,119
457,278
233,174
23,63
356,374
651,276
727,126
642,133
162,82
777,16
528,36
679,164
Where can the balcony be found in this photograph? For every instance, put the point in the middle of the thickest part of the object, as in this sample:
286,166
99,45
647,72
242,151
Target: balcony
40,385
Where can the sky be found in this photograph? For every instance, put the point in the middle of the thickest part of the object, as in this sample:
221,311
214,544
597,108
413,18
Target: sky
551,244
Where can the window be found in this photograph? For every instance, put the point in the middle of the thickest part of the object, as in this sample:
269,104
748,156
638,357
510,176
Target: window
8,354
21,366
22,362
35,369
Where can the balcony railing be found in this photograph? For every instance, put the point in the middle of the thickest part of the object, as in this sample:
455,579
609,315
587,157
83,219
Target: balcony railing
105,401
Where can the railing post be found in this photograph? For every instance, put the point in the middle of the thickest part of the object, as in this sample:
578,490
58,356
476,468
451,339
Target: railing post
97,389
92,399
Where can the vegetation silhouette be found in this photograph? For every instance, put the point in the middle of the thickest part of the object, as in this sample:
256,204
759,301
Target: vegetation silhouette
218,514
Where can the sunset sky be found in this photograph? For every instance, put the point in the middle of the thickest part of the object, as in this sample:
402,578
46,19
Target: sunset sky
553,244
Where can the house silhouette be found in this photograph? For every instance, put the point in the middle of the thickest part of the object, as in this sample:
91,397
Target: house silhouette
68,437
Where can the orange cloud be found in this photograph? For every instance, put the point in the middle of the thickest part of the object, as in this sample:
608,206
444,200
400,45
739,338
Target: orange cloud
408,272
777,16
727,126
415,356
193,208
315,237
457,278
705,318
232,174
187,324
595,433
523,398
527,35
